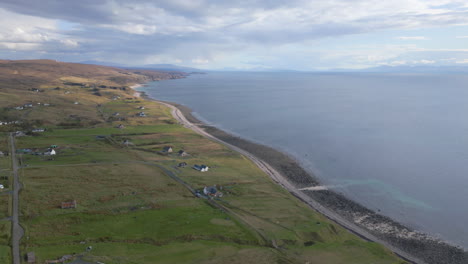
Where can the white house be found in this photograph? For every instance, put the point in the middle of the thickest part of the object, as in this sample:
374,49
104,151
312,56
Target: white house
50,152
201,168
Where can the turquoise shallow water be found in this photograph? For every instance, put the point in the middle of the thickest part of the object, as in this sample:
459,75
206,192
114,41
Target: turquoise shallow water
397,143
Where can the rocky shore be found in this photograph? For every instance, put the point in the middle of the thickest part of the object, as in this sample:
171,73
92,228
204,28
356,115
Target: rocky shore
411,245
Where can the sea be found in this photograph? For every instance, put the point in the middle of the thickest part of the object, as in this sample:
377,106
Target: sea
396,143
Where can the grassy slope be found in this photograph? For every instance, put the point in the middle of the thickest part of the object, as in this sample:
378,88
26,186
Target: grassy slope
131,211
5,202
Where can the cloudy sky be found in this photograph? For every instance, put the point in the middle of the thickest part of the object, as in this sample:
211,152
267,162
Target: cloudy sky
239,34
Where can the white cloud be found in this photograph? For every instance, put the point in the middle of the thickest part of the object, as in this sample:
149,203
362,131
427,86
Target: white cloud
69,43
425,62
461,37
462,61
412,38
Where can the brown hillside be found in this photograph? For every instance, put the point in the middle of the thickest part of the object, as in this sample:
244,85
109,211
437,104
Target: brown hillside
34,73
65,93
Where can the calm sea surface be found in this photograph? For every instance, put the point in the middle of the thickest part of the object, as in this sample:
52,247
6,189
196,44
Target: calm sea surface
397,143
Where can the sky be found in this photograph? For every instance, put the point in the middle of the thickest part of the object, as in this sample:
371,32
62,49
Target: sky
239,34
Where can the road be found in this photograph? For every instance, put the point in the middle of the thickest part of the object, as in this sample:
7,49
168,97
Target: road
282,181
18,231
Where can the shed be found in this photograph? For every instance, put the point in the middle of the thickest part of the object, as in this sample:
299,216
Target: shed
68,205
182,164
31,257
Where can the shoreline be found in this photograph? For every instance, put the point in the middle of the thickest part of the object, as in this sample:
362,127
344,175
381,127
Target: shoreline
410,245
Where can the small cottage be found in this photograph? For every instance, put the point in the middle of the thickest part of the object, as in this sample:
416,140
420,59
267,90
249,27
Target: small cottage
141,114
201,168
38,130
141,107
182,165
182,153
167,149
2,154
120,126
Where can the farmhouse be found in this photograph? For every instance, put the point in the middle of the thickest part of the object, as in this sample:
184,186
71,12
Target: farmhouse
201,168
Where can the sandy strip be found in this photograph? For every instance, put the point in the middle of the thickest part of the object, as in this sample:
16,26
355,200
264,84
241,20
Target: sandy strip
281,180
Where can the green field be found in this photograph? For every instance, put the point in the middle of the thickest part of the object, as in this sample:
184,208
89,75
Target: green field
131,211
5,202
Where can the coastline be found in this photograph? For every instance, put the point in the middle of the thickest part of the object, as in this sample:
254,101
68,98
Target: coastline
410,245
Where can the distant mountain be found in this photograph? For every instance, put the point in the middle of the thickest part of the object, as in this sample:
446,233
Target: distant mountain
418,69
159,67
166,67
103,63
256,69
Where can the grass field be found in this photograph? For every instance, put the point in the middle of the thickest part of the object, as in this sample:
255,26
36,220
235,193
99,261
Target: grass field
131,211
134,204
5,202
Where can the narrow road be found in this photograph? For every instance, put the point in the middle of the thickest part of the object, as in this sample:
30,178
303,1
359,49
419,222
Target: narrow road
282,181
18,231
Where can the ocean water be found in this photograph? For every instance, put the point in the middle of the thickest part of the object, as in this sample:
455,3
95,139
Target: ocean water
397,143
